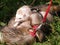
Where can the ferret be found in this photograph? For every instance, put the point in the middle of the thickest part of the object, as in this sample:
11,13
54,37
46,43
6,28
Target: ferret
35,20
27,22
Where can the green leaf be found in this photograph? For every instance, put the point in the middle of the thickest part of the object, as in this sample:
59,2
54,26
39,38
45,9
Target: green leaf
2,23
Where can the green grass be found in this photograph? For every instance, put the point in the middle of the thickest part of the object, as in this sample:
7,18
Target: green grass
53,39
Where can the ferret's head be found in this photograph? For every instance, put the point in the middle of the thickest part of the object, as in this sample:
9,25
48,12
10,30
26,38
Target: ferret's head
23,13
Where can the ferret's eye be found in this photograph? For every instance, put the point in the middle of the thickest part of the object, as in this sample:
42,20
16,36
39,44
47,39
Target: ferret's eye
19,18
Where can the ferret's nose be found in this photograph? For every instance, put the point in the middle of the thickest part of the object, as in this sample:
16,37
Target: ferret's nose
17,20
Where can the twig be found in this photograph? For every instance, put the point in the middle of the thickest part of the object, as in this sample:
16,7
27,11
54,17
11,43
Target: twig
56,13
32,2
24,2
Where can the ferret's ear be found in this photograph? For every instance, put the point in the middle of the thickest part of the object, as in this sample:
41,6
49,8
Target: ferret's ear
35,10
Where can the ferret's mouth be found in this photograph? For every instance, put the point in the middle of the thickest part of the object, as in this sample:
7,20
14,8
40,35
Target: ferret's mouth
17,23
